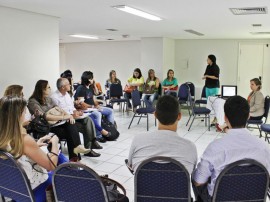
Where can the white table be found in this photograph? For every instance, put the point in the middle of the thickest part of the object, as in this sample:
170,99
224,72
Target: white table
216,105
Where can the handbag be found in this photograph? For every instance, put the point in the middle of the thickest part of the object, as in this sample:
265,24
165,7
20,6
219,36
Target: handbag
129,89
149,89
111,186
39,126
56,111
81,106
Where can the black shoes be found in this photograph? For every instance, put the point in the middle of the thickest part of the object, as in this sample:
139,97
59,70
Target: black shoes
95,145
101,139
92,154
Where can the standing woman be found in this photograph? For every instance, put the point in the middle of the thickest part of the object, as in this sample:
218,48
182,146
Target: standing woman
256,100
136,81
170,83
152,80
211,77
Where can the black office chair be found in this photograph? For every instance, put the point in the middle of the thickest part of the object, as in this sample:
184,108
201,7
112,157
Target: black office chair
198,111
160,179
244,180
116,96
203,99
258,123
141,112
77,182
14,182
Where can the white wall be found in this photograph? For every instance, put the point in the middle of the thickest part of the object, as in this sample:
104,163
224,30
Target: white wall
152,56
196,52
100,58
29,49
168,56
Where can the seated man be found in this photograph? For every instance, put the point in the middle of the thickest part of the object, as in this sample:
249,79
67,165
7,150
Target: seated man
85,125
164,142
236,145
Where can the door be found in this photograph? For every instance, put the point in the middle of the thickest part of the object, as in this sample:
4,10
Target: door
250,65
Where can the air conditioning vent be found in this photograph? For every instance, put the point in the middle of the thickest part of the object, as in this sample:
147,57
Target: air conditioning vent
112,30
249,11
256,25
194,32
260,33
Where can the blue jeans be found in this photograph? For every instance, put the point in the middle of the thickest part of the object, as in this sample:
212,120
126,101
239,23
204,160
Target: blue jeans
172,93
211,92
149,99
97,115
39,191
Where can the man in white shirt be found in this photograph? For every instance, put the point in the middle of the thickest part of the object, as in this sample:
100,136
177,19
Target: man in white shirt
165,141
236,145
84,124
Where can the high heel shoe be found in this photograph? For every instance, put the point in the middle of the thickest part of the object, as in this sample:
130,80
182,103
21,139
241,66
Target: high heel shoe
81,149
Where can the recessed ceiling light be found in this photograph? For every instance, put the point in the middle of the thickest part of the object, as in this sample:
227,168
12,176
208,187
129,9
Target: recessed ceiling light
137,12
84,36
110,39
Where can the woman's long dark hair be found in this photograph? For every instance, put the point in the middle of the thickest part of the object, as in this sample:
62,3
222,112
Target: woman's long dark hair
40,86
139,71
85,78
111,72
170,70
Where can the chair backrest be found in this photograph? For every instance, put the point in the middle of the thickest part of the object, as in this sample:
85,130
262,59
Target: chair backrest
191,88
116,90
244,180
266,107
14,183
183,92
136,99
161,179
77,182
203,95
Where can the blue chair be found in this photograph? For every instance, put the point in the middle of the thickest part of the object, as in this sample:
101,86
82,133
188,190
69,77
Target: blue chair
77,182
191,89
244,180
14,183
266,129
141,112
198,111
258,123
116,95
184,97
157,181
203,99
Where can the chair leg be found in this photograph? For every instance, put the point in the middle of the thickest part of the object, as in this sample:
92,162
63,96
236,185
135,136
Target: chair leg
192,122
205,118
155,121
139,119
208,122
147,122
131,121
188,119
260,130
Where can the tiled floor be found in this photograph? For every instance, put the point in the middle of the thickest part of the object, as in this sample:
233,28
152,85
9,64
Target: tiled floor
114,153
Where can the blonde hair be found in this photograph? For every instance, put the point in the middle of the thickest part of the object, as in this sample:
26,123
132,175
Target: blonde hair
11,138
13,90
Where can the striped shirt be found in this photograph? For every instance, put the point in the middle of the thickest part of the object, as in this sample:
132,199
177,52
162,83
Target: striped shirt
238,144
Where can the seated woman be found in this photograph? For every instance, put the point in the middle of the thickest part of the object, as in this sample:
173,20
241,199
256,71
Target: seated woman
136,81
40,103
112,80
87,90
256,100
24,148
170,84
153,82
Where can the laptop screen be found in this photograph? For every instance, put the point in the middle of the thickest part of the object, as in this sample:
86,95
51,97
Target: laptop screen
228,90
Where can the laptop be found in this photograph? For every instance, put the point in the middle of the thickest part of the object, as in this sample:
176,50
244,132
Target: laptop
228,91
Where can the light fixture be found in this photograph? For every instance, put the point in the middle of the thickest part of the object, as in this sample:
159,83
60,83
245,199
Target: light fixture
137,12
84,36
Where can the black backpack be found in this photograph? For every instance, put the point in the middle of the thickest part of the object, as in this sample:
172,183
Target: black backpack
107,125
39,127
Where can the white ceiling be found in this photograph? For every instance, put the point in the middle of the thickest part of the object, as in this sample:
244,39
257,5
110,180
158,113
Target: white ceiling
210,17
